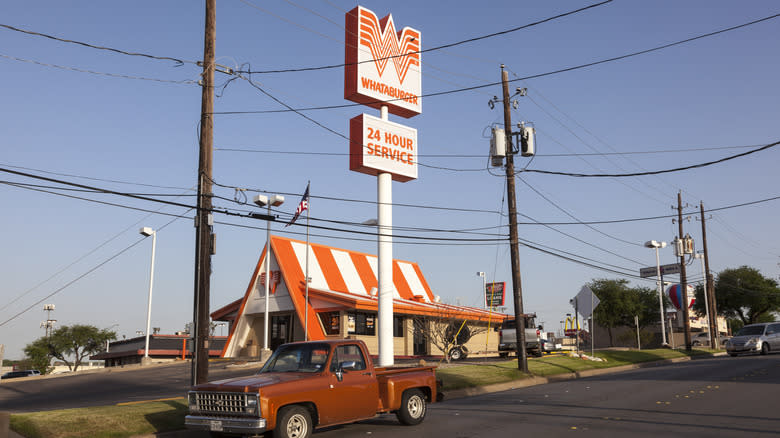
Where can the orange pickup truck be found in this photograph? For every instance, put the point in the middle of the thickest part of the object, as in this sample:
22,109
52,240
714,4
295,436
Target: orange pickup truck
307,385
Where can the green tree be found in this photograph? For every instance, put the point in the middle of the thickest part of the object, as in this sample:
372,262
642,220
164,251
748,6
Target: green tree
38,356
617,306
619,303
744,294
70,344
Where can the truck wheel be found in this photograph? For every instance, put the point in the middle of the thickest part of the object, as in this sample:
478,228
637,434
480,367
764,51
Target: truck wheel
413,408
293,422
456,353
764,348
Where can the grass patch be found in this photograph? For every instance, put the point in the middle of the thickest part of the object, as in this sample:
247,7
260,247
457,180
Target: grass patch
465,376
103,421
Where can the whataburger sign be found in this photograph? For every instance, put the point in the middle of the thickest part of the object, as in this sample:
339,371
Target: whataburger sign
382,65
382,68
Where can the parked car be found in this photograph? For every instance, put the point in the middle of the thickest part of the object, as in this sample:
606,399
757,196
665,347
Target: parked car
308,385
703,339
16,374
755,338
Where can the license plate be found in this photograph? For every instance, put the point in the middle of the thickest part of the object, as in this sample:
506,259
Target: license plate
215,426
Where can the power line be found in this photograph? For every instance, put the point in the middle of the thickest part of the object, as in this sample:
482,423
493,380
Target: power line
554,204
92,46
82,276
333,198
655,172
113,75
431,241
445,46
48,172
535,76
586,154
214,210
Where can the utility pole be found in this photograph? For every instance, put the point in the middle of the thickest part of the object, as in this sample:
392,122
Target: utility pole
709,285
683,284
204,220
517,288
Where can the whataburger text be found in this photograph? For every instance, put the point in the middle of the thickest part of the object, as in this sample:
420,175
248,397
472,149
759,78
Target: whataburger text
388,90
390,146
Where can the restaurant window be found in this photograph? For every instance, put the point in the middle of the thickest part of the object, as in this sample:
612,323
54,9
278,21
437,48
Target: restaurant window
398,326
331,322
359,323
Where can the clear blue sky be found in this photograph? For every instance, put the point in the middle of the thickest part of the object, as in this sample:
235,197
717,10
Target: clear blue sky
712,95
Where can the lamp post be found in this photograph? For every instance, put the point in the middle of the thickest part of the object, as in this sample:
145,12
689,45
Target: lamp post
700,256
266,201
484,292
148,231
656,244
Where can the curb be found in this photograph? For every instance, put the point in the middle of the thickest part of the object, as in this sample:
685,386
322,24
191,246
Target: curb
534,381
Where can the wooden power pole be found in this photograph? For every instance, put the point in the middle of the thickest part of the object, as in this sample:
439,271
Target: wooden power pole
709,285
517,288
204,220
683,281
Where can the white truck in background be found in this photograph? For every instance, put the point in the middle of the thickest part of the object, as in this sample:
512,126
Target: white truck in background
507,336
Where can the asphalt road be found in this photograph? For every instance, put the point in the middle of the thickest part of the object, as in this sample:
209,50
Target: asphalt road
107,387
721,397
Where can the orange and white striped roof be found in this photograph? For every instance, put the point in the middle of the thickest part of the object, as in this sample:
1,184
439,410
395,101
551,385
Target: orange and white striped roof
347,279
338,270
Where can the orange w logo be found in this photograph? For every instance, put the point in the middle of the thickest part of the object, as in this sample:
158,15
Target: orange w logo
402,49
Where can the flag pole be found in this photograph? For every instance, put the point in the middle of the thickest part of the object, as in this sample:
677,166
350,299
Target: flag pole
306,279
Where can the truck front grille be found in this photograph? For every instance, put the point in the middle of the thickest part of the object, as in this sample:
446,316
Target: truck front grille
219,403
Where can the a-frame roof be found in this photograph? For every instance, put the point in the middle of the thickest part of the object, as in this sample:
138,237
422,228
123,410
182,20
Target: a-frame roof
349,279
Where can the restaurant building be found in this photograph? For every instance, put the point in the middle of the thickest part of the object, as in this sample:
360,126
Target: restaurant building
342,303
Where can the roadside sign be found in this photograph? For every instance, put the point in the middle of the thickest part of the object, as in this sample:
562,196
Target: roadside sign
585,302
673,268
494,294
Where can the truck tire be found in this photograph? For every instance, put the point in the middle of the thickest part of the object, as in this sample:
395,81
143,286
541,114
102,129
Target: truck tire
293,422
456,353
413,407
764,349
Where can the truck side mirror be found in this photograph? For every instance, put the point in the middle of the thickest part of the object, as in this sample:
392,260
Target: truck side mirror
345,366
348,365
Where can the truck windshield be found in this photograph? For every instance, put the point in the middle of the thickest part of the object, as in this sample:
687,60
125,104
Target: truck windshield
298,358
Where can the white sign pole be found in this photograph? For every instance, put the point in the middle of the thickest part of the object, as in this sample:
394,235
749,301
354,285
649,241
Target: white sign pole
660,296
385,262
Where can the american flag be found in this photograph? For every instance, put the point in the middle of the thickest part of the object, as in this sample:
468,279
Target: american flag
302,206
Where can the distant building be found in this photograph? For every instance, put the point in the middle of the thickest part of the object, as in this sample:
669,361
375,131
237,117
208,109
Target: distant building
162,348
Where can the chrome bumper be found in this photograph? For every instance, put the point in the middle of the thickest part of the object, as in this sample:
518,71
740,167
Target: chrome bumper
226,424
743,348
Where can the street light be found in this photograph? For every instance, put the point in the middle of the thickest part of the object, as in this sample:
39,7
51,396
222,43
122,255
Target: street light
656,244
220,325
263,201
148,231
484,292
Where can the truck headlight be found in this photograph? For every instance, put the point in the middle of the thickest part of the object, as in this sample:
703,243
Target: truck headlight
751,341
192,403
252,404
